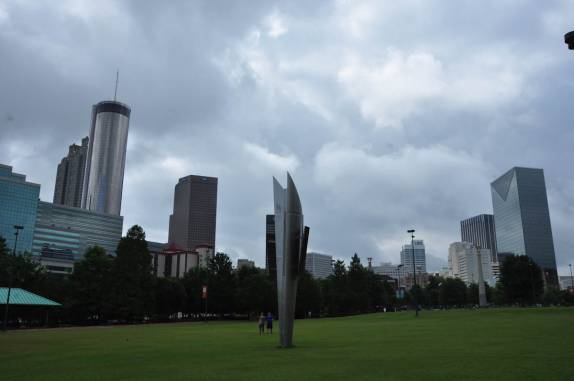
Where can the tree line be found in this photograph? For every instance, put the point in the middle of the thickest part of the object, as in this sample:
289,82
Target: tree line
122,288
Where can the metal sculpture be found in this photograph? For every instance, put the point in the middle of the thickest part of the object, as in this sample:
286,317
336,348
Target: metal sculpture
291,238
482,302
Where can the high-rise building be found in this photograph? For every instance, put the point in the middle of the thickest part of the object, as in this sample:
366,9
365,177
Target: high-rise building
18,206
270,259
389,269
70,176
420,257
205,254
480,230
463,263
522,218
193,221
242,262
566,282
320,266
106,158
66,232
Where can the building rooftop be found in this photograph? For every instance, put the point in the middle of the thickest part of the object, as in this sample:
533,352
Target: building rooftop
19,296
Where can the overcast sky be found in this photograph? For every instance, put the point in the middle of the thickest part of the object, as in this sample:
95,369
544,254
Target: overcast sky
389,115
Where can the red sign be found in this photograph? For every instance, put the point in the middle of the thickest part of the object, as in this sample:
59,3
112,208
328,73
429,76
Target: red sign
204,292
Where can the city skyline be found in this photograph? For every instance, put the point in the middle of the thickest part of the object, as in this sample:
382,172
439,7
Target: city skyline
373,163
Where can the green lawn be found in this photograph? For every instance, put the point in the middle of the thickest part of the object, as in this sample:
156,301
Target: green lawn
522,344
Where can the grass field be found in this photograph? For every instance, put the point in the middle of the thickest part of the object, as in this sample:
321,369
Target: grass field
522,344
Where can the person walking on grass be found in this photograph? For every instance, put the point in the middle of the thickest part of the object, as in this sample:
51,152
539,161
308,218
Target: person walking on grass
269,320
261,324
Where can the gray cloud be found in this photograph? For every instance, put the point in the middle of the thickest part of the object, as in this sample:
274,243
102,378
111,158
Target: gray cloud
389,115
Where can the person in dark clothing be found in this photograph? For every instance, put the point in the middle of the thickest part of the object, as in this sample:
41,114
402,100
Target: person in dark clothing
269,320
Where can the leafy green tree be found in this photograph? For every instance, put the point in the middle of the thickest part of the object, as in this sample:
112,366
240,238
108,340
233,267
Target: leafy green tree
432,291
453,292
193,282
90,285
377,297
472,293
23,270
132,276
522,280
416,295
170,297
308,296
337,298
358,287
498,295
221,285
255,292
567,297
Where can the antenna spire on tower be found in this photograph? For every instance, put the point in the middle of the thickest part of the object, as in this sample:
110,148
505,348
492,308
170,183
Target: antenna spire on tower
117,80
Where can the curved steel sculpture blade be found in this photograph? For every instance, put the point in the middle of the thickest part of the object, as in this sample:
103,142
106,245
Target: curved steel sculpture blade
291,249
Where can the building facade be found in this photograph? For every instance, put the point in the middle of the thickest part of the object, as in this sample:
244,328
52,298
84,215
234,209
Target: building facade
193,221
463,263
106,158
241,263
70,176
205,254
320,266
173,261
522,218
566,282
389,269
419,254
270,259
18,206
67,232
480,230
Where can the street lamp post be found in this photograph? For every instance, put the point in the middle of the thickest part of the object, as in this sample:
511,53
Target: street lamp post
17,228
412,233
571,278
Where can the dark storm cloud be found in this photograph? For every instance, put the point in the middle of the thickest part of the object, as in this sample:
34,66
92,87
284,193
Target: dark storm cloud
389,115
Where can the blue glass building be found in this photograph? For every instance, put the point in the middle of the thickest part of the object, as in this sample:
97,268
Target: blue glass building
522,218
479,230
66,232
18,205
420,257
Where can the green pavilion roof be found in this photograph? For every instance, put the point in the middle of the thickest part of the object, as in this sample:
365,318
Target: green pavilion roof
22,297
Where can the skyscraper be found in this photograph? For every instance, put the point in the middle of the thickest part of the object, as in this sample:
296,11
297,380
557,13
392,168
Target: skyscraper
63,229
194,212
480,230
270,259
70,176
420,257
463,263
18,206
522,218
320,266
106,159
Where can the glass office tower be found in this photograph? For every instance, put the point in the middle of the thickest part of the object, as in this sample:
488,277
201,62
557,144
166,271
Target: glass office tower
106,159
479,230
522,218
420,257
67,232
70,176
194,212
18,206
